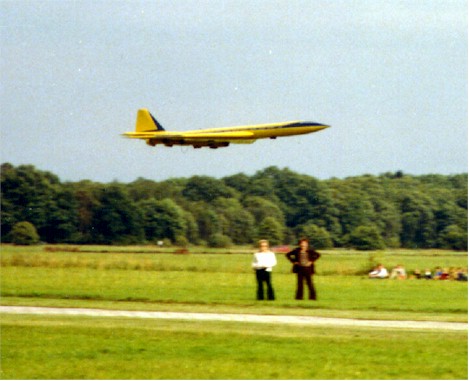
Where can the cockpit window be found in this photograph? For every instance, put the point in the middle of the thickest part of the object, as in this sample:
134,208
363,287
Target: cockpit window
302,124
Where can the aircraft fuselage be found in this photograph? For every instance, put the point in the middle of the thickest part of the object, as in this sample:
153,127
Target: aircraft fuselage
152,132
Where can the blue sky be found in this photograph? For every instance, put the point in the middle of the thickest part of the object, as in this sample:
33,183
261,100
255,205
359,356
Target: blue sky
390,77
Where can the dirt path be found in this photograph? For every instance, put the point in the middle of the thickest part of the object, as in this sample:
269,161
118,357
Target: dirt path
246,318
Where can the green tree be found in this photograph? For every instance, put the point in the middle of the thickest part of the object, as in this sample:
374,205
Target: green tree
144,189
162,219
366,238
301,198
242,227
388,221
453,237
240,182
86,195
204,188
318,237
24,233
262,208
357,210
27,194
418,221
61,224
272,230
192,229
208,221
408,211
237,223
447,210
116,219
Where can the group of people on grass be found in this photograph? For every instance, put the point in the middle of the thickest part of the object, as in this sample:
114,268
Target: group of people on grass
399,272
302,258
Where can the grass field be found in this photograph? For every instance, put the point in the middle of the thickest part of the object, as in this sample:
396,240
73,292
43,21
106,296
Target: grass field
208,281
72,348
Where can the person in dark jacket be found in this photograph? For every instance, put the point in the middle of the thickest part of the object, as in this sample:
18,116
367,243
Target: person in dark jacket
303,258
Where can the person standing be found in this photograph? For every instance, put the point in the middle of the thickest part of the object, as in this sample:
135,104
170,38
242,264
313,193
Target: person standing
303,258
263,262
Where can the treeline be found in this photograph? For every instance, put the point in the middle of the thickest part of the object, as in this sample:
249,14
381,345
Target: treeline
365,212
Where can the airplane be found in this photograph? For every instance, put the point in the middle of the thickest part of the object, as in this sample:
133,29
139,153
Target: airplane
150,130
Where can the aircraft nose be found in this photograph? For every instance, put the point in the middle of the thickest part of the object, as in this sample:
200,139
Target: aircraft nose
320,126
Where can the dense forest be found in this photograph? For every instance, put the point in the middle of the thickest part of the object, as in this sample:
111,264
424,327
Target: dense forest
364,212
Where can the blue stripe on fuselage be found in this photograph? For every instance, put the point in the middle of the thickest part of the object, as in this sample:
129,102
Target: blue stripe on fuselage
303,124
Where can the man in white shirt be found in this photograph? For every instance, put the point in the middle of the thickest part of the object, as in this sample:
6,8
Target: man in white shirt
379,272
263,262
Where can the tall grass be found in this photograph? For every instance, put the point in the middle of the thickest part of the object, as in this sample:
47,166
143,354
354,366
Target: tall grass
333,262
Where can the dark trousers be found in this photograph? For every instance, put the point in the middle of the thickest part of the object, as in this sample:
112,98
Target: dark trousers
305,274
264,276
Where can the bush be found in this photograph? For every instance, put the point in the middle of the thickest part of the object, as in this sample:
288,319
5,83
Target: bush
220,241
366,238
24,233
181,240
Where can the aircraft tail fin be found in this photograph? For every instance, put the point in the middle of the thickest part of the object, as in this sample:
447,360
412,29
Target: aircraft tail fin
146,122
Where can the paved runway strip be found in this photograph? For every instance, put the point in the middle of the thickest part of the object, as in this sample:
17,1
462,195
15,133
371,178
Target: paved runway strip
246,318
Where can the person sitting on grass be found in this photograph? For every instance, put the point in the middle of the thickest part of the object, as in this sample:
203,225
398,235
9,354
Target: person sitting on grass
417,274
438,273
453,273
444,274
398,272
462,275
428,274
379,272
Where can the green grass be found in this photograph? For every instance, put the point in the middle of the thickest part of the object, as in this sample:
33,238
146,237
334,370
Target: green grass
225,283
205,291
138,278
118,348
151,258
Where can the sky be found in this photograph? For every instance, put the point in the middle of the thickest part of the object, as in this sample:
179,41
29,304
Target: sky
389,77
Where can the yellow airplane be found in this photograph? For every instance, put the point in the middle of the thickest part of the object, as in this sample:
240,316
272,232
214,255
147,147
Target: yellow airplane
148,128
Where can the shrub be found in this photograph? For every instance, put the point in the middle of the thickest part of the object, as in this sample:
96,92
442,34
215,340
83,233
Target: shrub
181,240
220,241
24,233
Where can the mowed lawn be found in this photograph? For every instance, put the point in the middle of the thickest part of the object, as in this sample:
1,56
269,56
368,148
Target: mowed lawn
69,347
118,348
